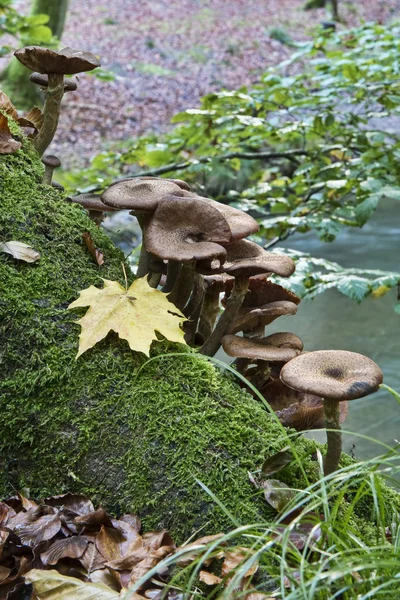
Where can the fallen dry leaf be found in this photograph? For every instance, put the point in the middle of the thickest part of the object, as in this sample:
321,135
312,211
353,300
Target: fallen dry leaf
209,578
233,558
7,143
7,106
34,119
51,585
19,250
72,547
94,252
134,314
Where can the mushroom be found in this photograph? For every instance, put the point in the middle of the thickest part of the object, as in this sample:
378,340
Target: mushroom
50,162
93,205
55,65
255,319
141,195
280,347
186,231
258,349
262,290
308,413
334,376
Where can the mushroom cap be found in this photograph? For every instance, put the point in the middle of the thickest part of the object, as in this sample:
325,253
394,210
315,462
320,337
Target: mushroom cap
246,259
309,413
141,194
186,230
248,319
66,61
91,202
51,161
241,223
334,374
256,349
261,291
43,81
284,339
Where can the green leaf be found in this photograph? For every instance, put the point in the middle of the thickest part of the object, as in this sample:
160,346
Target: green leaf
365,209
354,287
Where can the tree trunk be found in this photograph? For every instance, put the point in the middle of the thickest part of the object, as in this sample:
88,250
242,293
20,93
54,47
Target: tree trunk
15,78
57,11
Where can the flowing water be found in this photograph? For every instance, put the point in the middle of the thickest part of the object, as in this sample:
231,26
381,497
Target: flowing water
332,321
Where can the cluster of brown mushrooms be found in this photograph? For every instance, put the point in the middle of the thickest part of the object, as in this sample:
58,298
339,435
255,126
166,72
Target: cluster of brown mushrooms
194,249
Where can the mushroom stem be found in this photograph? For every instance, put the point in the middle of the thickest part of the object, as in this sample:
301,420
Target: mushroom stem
51,112
240,364
154,279
193,309
48,175
96,216
209,312
173,269
184,285
144,257
334,436
234,302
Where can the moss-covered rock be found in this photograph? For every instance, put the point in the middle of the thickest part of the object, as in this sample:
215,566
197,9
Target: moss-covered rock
136,435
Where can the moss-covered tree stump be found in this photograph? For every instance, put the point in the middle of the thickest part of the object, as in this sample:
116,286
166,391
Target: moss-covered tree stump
134,435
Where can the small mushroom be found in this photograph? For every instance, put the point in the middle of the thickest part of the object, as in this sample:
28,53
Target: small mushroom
93,205
258,349
334,376
251,319
50,162
55,65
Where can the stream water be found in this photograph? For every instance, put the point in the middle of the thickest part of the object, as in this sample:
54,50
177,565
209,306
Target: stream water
332,321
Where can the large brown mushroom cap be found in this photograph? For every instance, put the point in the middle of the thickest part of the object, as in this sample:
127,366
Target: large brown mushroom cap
334,374
65,62
241,223
141,194
186,230
257,349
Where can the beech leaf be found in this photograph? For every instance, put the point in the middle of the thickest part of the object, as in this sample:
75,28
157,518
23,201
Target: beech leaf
19,250
51,585
134,314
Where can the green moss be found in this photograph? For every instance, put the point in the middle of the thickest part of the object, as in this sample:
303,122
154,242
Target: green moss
134,439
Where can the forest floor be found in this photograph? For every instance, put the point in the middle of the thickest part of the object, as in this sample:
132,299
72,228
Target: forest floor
166,54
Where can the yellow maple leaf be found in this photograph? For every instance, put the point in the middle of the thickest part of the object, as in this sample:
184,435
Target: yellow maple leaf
134,314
